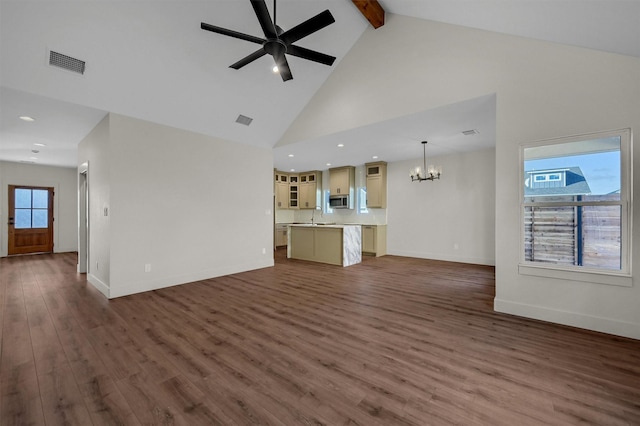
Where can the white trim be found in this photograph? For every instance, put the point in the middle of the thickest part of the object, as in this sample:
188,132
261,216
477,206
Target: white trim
445,258
133,287
102,287
574,319
590,276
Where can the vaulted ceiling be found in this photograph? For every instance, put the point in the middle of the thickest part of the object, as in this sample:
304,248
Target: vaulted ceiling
150,60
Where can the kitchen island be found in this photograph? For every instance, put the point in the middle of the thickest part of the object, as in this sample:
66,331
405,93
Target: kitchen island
334,244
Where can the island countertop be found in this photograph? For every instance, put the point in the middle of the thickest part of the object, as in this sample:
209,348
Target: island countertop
322,225
326,243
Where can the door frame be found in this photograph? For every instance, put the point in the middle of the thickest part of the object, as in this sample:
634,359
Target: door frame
50,219
83,219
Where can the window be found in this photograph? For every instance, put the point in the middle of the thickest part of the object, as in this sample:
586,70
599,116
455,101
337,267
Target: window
327,206
362,200
575,203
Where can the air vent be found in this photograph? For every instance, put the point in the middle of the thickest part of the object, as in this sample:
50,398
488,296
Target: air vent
470,132
243,119
66,62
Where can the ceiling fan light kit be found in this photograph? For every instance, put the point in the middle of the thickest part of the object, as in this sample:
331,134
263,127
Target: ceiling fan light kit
279,43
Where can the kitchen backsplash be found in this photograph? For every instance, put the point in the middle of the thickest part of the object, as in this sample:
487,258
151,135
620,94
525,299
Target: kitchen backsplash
371,217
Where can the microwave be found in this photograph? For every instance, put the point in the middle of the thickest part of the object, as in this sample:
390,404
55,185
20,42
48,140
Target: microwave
339,201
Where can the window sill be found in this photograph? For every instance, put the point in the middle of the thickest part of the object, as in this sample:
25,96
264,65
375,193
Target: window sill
607,278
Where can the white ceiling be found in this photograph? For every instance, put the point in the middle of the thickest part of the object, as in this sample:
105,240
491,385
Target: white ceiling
149,59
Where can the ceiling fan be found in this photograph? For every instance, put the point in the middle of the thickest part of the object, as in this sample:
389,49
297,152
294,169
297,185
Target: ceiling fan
277,42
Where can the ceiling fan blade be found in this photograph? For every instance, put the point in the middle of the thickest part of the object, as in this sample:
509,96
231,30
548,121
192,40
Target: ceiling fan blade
248,59
260,7
309,26
231,33
283,67
311,55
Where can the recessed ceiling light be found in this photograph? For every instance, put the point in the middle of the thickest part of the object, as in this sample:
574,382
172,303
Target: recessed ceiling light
33,158
275,69
40,144
293,170
375,157
35,151
26,118
470,132
340,145
290,155
328,164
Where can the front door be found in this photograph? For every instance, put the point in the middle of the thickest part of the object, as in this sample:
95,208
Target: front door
30,219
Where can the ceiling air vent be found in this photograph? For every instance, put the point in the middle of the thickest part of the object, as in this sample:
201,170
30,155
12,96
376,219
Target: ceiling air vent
470,132
243,119
66,62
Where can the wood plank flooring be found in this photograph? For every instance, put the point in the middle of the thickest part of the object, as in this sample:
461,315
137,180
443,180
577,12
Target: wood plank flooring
391,341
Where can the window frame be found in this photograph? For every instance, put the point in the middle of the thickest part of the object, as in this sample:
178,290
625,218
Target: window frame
620,277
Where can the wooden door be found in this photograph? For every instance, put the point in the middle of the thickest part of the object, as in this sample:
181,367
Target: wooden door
30,219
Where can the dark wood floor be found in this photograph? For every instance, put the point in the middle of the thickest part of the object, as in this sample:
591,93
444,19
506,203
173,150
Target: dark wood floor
392,341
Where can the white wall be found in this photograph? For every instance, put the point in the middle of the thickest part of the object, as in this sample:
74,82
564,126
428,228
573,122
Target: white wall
543,90
448,219
63,180
94,149
190,206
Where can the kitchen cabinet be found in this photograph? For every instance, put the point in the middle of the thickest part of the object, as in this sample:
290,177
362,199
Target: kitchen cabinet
333,244
310,190
299,190
281,234
374,239
376,174
294,192
341,180
281,182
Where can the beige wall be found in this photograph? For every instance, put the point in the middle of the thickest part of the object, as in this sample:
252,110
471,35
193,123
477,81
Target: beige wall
190,206
450,219
543,90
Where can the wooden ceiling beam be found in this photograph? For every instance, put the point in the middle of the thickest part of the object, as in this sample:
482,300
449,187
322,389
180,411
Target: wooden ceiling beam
371,10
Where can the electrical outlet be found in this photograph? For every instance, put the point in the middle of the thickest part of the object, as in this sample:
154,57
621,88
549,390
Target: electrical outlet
456,246
147,267
264,250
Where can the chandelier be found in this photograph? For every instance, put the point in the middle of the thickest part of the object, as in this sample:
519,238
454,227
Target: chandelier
419,174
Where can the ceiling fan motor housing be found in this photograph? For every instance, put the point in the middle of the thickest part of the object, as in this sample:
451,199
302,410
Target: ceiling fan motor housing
275,47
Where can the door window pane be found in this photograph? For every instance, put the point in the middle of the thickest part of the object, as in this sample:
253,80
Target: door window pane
31,208
40,217
23,218
23,198
40,199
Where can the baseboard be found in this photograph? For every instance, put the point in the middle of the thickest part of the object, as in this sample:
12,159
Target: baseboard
65,250
140,287
102,287
574,319
446,258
